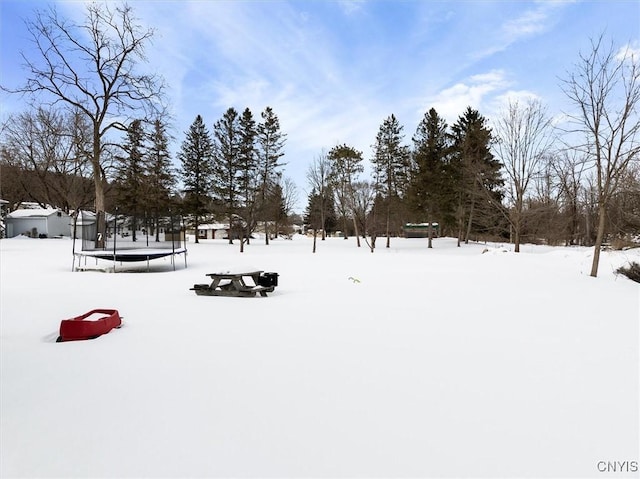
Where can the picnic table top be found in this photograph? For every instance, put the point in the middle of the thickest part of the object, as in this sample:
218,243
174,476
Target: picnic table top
230,274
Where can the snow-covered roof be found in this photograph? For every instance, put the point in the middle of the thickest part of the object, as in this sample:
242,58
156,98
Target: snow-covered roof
213,226
33,213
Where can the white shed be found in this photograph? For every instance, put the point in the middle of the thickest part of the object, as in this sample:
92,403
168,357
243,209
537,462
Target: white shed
37,223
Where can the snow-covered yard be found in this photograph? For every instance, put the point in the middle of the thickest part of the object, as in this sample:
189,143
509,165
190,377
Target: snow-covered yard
447,362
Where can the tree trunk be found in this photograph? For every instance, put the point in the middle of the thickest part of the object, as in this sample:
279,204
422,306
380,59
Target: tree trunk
587,227
99,186
517,237
517,223
599,239
388,226
429,231
468,233
315,235
356,233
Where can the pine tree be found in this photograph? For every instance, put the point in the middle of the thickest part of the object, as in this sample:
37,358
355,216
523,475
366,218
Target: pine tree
319,214
227,167
477,175
131,179
196,155
271,144
280,210
161,177
346,164
247,158
427,186
391,167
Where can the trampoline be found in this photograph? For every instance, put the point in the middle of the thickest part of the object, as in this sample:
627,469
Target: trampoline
127,240
133,255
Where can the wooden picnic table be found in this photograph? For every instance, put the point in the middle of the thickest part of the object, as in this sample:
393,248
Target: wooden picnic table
233,284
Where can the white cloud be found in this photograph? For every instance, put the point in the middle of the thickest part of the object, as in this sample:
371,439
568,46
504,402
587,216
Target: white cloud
451,102
531,22
350,7
502,101
629,52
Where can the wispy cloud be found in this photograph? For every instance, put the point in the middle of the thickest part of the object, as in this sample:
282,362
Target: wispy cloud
533,21
629,52
350,7
451,102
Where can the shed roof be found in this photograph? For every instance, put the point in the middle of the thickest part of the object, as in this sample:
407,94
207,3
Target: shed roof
34,213
214,226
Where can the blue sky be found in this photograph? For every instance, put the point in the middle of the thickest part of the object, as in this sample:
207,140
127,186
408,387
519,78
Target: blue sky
334,70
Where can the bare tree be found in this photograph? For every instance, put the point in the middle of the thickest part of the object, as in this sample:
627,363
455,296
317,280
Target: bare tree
523,138
289,194
363,198
605,89
318,176
90,67
568,169
50,150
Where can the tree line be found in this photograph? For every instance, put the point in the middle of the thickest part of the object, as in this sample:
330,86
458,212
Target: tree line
95,116
521,177
236,173
233,174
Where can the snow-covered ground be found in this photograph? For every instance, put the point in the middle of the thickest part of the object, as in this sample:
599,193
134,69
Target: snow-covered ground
447,362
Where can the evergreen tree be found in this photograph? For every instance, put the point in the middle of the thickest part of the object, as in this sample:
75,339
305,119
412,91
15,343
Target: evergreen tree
391,168
247,159
270,151
477,175
428,180
196,156
130,175
319,214
280,210
227,166
346,164
161,179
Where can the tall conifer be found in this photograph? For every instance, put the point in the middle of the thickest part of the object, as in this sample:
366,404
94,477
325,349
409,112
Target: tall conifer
346,165
131,181
391,168
161,176
428,180
226,165
477,174
270,151
196,156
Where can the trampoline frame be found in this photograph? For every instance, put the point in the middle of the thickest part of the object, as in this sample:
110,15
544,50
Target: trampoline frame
128,254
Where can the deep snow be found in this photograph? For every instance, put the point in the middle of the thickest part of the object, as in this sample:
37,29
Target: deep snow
447,362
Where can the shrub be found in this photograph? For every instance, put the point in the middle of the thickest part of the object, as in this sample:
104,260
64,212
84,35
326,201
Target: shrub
632,271
619,244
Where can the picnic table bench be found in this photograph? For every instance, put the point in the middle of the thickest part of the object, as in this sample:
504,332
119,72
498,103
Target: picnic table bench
234,284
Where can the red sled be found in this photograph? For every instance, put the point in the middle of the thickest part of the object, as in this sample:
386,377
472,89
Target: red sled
79,328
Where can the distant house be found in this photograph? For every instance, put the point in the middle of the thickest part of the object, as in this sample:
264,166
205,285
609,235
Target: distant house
37,223
213,231
421,230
